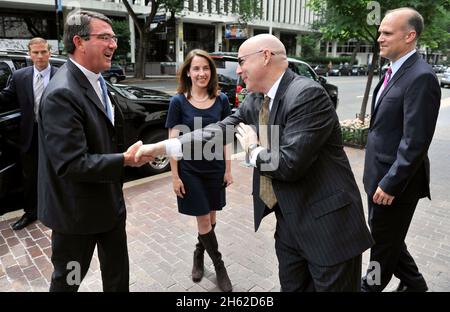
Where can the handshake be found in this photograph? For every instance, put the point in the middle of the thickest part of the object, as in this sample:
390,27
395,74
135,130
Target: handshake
139,154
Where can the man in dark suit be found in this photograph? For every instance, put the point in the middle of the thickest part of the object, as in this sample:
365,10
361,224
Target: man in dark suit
25,87
80,171
405,107
321,232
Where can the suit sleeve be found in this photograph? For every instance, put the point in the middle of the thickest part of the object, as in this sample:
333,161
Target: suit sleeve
220,133
420,111
62,126
310,121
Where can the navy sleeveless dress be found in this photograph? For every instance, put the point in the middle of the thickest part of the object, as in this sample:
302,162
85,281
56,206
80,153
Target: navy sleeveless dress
202,177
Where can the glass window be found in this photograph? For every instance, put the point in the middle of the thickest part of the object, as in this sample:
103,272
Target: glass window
226,71
5,72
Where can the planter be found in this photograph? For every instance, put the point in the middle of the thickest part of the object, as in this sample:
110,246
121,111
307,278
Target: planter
354,137
354,132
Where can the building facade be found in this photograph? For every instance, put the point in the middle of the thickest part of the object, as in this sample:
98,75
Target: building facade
213,25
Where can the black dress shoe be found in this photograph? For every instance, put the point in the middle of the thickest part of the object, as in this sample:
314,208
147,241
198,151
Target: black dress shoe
402,287
23,222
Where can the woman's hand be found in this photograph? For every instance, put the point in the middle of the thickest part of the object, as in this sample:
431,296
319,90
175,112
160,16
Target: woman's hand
178,187
227,178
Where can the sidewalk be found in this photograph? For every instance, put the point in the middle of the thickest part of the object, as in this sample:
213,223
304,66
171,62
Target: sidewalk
161,241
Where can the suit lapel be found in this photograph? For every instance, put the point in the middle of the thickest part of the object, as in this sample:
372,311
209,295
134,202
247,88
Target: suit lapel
29,86
89,90
284,83
402,70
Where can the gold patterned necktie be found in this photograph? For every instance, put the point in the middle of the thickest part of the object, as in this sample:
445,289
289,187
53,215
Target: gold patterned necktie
266,192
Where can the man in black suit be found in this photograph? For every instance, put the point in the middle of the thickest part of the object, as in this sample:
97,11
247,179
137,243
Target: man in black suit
405,107
321,232
25,87
80,171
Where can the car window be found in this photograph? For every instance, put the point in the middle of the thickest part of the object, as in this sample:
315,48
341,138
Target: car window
302,70
226,71
5,71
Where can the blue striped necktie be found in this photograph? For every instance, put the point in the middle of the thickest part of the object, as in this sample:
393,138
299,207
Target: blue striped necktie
105,97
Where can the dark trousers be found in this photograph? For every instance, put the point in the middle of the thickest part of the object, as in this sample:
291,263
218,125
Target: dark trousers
297,274
29,161
389,226
72,254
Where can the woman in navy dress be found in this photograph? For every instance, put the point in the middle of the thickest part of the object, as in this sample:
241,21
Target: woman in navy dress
199,182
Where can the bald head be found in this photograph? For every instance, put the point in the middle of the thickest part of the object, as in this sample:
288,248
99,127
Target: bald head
410,18
262,60
266,41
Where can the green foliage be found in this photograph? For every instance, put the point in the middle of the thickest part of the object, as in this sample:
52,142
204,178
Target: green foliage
309,44
249,9
122,31
325,60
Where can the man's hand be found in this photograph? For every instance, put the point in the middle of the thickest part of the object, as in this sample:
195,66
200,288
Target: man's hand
246,136
148,152
129,156
382,198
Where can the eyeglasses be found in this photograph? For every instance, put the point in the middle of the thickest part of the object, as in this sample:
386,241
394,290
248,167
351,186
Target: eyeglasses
102,37
241,59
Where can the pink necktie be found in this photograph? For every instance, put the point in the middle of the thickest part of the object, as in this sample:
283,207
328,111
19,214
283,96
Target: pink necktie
387,77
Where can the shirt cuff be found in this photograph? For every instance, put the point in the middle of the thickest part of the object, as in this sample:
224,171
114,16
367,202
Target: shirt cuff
173,148
254,155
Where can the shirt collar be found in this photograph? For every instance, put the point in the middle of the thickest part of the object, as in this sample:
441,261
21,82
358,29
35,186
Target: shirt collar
44,72
91,76
395,66
273,91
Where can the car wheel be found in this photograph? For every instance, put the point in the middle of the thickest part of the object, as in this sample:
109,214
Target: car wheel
113,79
161,163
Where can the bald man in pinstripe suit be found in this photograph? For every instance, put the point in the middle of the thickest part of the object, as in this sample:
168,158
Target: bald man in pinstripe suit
321,232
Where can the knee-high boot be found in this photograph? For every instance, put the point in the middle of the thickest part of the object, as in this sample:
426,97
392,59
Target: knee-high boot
209,241
197,267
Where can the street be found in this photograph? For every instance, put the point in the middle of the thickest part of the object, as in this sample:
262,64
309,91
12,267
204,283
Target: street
351,92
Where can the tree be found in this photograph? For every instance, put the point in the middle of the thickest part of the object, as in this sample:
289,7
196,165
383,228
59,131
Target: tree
122,31
359,19
308,43
143,27
246,9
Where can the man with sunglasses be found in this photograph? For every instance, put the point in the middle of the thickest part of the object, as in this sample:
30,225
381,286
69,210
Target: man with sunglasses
301,170
80,169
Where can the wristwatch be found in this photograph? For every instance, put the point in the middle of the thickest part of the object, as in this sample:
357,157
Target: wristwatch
251,148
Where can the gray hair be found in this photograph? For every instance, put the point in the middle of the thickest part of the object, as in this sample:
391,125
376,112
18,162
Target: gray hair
79,24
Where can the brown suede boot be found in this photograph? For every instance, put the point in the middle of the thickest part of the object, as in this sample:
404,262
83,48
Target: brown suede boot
209,241
197,267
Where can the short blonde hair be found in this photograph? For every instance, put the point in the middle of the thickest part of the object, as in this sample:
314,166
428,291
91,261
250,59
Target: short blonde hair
37,40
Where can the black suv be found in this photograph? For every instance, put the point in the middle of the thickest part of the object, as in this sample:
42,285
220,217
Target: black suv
234,88
144,112
114,74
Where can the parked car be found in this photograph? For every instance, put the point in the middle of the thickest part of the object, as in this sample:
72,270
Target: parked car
445,79
340,70
234,87
144,112
359,70
114,74
321,70
226,64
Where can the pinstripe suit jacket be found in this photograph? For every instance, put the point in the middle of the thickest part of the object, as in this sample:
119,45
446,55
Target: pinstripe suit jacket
311,175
